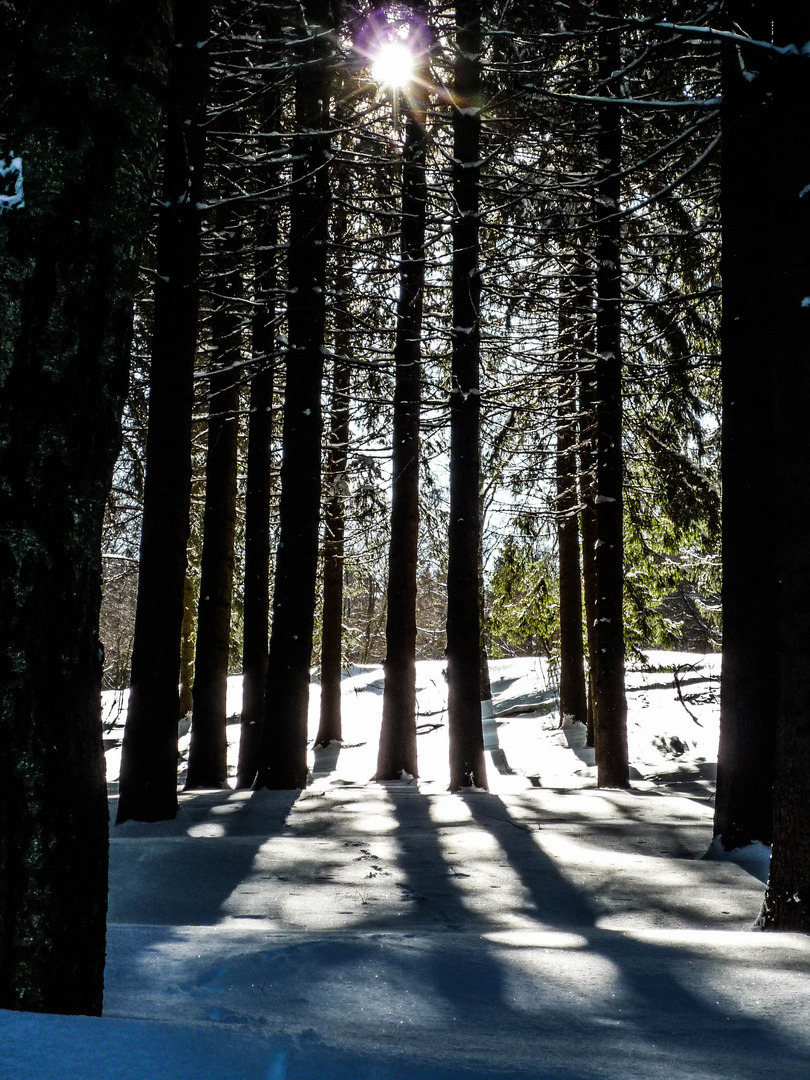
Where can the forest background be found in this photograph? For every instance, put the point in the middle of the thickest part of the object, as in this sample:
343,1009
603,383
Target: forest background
444,361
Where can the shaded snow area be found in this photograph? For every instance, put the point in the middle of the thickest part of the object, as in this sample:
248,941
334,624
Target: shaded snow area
545,930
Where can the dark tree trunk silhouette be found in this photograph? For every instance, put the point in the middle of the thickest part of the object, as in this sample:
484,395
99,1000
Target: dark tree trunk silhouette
256,605
397,750
208,749
749,704
330,726
330,722
148,777
467,764
259,481
607,656
88,87
283,753
787,899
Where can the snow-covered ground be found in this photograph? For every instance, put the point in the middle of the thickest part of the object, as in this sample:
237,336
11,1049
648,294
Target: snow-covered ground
362,931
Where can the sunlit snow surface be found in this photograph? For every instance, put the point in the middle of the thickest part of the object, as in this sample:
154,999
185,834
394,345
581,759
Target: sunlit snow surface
545,929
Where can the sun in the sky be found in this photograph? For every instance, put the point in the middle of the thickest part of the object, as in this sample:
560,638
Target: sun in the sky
393,65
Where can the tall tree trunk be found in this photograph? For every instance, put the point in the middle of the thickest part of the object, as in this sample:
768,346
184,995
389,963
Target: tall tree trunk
148,778
748,701
787,900
337,453
587,517
88,89
256,612
467,764
607,658
397,750
259,482
573,697
208,750
586,386
258,493
283,753
330,726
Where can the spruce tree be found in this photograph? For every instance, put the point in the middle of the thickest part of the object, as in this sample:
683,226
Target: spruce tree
89,86
283,753
259,480
208,750
573,694
467,765
787,899
397,751
748,703
607,657
148,777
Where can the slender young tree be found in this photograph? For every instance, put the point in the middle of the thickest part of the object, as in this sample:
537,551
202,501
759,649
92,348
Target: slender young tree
587,521
467,764
330,725
89,84
586,391
283,757
748,703
256,604
148,777
607,656
573,696
208,749
397,750
258,493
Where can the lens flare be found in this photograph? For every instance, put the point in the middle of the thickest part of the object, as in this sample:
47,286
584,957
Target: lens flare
393,65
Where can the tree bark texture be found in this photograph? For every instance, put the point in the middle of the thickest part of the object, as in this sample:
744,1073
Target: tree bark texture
573,696
148,777
208,749
397,750
89,86
749,703
283,754
607,658
467,763
787,899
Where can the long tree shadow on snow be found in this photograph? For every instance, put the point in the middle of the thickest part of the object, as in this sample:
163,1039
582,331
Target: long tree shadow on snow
237,822
298,984
433,884
663,1004
564,1006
